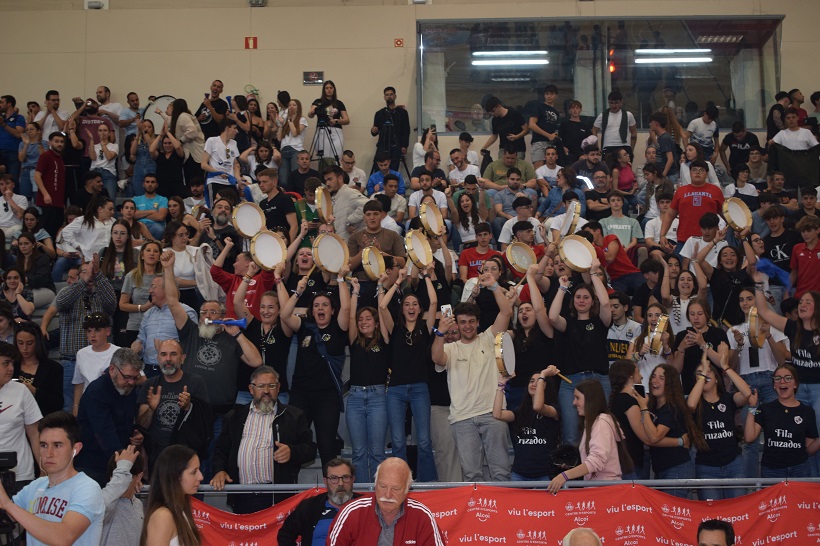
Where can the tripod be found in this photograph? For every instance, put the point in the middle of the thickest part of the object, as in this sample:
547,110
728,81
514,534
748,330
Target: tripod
322,129
388,145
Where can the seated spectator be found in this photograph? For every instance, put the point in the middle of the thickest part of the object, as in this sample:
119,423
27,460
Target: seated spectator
176,213
36,266
553,204
176,240
514,226
17,294
598,197
586,166
472,258
627,229
808,200
758,168
461,168
398,204
556,225
804,270
7,324
42,376
428,143
103,157
466,214
260,157
652,232
32,224
13,207
694,152
496,173
357,177
624,180
376,182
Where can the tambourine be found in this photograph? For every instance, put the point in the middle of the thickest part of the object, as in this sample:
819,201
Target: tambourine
373,262
570,224
268,249
431,219
756,338
324,204
504,354
248,219
577,253
151,115
418,248
197,211
656,336
737,214
330,252
520,256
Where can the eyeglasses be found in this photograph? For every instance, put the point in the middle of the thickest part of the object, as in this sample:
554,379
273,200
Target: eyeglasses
127,377
264,386
783,378
697,170
346,162
335,479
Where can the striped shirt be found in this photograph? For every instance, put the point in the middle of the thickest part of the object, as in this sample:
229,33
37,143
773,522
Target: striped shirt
158,324
255,457
74,303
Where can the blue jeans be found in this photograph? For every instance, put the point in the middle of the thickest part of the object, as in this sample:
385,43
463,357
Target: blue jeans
809,394
26,185
61,267
731,470
12,162
684,471
156,229
68,385
109,180
762,382
639,472
366,418
569,415
418,397
802,470
287,166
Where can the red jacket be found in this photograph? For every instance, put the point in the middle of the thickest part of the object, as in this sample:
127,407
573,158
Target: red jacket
260,284
357,523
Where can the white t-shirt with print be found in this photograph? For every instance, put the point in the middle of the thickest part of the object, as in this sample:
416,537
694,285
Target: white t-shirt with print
18,409
221,157
91,364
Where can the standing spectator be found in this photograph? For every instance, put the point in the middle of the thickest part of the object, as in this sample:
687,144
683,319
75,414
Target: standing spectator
793,136
391,125
775,120
42,376
141,157
261,443
301,174
30,149
185,129
347,203
104,157
124,513
12,126
740,143
805,275
668,152
212,111
613,126
220,161
169,158
20,423
106,413
184,274
330,113
692,201
704,131
91,294
93,359
509,126
136,299
245,271
573,132
49,176
51,118
543,123
91,233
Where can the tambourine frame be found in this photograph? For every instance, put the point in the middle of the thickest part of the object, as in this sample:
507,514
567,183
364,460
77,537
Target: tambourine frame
235,217
747,214
499,354
323,201
656,336
276,237
426,212
756,339
414,253
318,259
509,253
367,253
576,239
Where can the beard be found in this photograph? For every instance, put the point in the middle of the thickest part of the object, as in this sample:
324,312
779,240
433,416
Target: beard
222,219
340,497
264,405
123,391
208,331
168,368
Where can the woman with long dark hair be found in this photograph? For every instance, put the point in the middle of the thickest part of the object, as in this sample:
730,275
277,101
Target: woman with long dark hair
36,266
690,344
140,156
291,134
116,261
600,459
640,349
176,213
17,294
725,280
134,298
553,205
466,215
91,233
42,376
665,415
139,231
256,121
176,238
33,224
428,143
321,341
714,411
186,129
168,518
687,289
411,339
694,152
259,157
331,113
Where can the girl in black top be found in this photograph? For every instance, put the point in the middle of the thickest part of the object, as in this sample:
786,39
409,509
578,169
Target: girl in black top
407,380
535,428
41,376
301,258
267,332
714,410
582,341
366,413
692,342
790,428
665,415
625,377
725,281
322,339
485,299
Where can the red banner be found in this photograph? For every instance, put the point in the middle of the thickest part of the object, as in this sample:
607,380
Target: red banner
623,515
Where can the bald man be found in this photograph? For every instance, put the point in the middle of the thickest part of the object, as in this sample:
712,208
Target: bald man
387,516
582,537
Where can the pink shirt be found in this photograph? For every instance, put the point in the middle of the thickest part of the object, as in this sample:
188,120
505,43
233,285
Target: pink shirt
602,459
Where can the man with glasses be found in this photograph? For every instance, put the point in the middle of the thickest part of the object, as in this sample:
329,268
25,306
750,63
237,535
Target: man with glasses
357,177
262,442
91,294
106,414
613,126
312,517
51,118
432,164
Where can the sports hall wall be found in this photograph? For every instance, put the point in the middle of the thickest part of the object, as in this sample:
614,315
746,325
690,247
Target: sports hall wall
178,47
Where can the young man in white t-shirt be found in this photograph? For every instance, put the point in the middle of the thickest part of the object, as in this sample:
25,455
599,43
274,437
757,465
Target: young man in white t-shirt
546,176
793,136
461,168
709,226
220,160
704,131
94,359
652,230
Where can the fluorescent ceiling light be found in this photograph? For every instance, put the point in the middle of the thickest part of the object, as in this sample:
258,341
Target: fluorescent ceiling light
670,51
514,79
720,39
508,53
669,60
511,62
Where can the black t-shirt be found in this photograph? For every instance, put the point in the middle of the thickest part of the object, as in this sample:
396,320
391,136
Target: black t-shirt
316,285
717,421
667,144
440,285
410,354
725,287
584,346
274,347
369,366
510,124
641,298
82,198
806,357
437,385
166,414
169,174
693,355
664,458
276,211
547,120
596,215
530,354
296,180
572,134
438,174
210,127
620,405
215,360
772,128
533,444
312,370
327,110
739,149
786,430
779,249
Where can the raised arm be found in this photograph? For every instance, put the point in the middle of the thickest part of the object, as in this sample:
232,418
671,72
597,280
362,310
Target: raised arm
597,274
559,322
171,291
538,303
343,317
286,314
763,310
502,320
